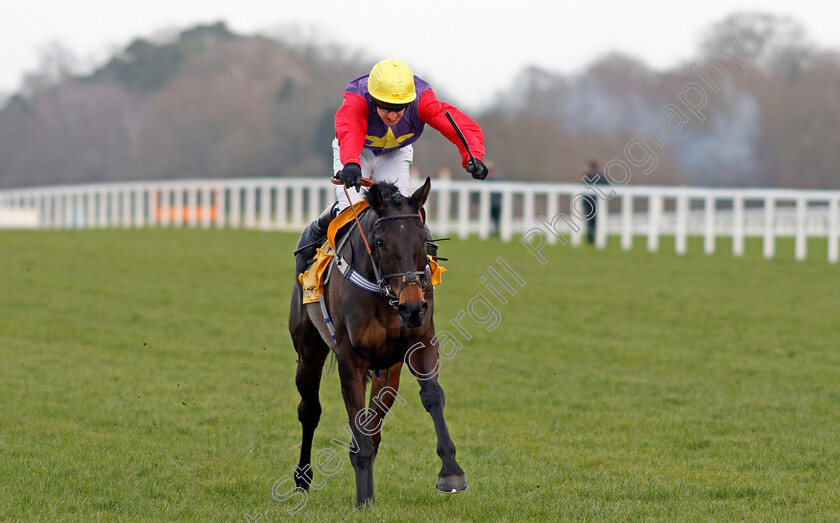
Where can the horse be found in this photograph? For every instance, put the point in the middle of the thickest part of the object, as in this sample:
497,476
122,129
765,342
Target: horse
374,330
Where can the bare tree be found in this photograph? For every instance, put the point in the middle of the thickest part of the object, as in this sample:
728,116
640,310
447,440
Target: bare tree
775,44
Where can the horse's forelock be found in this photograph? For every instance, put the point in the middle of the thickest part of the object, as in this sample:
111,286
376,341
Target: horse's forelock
396,199
390,194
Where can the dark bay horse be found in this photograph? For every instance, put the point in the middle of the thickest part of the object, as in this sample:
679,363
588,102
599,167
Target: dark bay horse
374,330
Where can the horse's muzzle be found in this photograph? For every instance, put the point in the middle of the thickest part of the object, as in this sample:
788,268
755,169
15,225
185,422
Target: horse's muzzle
412,313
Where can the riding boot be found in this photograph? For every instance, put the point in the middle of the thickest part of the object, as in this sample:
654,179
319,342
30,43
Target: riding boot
431,246
312,237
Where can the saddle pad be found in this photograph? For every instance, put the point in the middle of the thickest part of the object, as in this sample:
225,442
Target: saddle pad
436,271
312,279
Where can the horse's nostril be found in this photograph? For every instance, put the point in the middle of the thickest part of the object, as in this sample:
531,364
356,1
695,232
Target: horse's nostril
403,310
423,308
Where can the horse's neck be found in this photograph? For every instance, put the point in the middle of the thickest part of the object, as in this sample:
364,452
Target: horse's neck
357,246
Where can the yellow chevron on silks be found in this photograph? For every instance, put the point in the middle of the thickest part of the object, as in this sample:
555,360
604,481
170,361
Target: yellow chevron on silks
388,141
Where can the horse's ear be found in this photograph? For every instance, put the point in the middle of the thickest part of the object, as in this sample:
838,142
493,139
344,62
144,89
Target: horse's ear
374,198
420,195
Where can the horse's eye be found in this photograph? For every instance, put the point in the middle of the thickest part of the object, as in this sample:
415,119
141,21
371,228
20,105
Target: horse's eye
380,244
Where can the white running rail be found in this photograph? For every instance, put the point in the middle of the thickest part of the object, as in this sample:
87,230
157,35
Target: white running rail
527,210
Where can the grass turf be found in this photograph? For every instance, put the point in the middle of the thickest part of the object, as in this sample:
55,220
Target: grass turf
148,375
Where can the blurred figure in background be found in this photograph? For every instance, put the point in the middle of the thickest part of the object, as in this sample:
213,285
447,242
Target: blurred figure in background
495,199
592,176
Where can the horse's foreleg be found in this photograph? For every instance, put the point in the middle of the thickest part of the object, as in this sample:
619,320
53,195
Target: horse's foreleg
352,374
423,364
451,477
383,392
308,380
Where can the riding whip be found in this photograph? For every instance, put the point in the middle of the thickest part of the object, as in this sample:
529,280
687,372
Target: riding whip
460,134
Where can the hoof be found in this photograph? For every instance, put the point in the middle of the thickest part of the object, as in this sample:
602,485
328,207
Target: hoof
451,484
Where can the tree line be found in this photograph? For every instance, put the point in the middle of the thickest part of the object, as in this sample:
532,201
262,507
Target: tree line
213,104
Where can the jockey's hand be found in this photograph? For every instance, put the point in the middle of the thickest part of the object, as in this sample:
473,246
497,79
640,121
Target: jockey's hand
477,169
351,176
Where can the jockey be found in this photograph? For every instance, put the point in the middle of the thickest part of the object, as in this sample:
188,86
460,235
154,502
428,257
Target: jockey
382,115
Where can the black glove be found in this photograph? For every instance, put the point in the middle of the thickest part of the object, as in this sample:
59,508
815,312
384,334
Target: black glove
351,176
477,169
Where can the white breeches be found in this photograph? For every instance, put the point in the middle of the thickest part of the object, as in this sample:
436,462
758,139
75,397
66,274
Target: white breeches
389,167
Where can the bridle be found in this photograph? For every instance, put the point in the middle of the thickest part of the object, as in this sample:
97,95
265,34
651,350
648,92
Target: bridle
419,278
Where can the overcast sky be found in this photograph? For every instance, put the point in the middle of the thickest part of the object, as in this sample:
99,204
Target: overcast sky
470,49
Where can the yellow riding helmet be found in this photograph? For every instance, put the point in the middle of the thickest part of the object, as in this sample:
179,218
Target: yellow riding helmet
391,81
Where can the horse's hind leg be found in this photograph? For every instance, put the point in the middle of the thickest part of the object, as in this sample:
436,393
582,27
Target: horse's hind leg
312,353
352,370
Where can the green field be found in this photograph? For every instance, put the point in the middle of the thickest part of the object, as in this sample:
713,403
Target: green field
148,375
